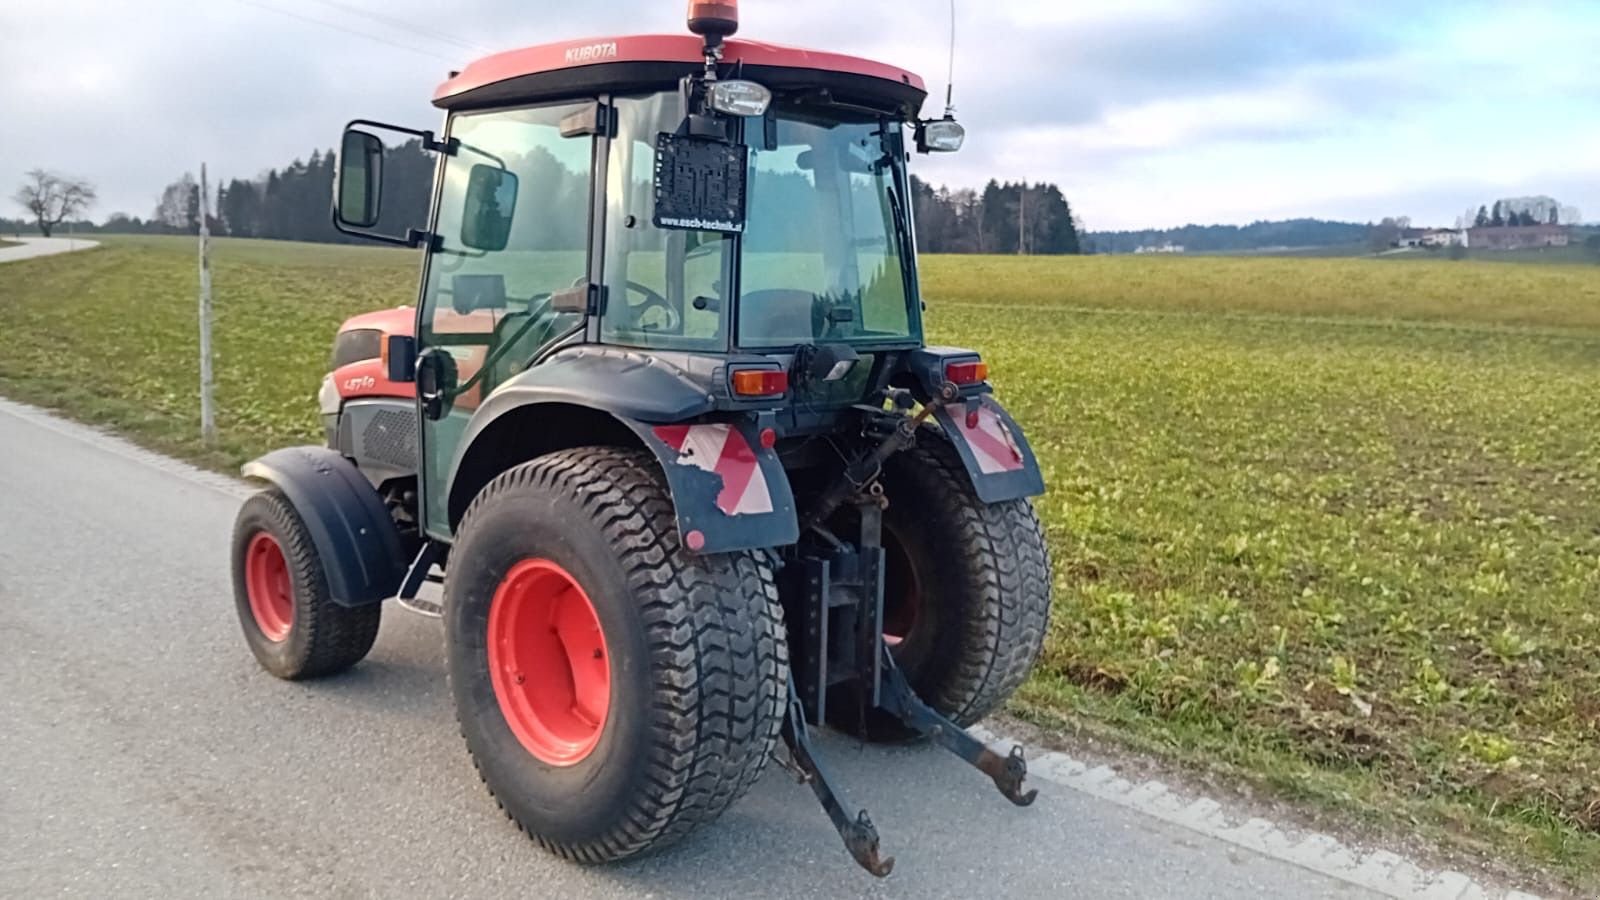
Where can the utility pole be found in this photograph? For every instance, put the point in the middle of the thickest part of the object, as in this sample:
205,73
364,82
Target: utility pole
1022,220
208,412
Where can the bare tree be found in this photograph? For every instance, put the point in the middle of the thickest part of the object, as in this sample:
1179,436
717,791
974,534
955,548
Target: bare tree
51,199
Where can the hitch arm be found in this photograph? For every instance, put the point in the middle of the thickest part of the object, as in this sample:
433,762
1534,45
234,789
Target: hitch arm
859,835
898,699
865,468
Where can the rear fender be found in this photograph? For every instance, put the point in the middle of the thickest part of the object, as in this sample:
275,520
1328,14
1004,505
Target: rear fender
730,493
997,456
361,550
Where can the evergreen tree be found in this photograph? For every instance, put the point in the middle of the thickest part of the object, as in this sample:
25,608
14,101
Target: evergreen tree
1483,217
1496,219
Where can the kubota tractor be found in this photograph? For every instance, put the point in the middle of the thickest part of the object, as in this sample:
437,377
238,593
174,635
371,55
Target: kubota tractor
664,419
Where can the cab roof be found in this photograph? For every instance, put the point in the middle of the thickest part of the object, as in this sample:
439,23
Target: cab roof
657,61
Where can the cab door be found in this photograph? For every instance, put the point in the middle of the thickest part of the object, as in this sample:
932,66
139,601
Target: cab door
512,243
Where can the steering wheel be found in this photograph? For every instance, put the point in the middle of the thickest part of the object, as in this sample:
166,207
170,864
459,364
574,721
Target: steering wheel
654,300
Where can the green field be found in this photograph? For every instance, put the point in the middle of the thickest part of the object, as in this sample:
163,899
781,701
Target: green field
1328,525
5,243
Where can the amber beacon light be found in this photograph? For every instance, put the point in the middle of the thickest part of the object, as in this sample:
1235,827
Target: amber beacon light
714,18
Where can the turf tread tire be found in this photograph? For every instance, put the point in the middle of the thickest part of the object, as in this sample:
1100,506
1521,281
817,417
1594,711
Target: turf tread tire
716,650
996,576
325,637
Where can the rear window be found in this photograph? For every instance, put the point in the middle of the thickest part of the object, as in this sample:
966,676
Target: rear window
357,345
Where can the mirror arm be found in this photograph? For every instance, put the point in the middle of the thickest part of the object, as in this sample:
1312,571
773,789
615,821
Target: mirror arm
430,143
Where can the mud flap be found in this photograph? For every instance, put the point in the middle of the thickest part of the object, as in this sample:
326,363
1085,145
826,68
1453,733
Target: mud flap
992,447
730,492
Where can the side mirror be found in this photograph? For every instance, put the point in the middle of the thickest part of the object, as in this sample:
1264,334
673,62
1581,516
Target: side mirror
358,181
490,204
356,198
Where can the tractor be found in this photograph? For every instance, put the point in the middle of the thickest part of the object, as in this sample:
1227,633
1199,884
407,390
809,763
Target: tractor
663,424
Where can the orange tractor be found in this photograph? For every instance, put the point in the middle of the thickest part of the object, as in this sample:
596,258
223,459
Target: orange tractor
664,419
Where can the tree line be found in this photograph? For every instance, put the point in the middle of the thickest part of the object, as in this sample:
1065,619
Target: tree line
293,203
1002,218
1503,216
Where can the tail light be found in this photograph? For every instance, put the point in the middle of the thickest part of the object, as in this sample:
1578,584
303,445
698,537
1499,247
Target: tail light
969,371
760,383
718,18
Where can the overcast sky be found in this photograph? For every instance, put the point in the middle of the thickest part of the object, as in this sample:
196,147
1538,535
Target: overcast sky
1146,113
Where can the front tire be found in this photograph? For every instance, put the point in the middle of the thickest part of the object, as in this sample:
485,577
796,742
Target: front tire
293,627
638,689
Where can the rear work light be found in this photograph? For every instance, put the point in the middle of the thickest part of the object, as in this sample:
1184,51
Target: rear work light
760,383
740,98
969,371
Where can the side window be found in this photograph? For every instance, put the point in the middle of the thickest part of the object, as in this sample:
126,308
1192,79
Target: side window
514,229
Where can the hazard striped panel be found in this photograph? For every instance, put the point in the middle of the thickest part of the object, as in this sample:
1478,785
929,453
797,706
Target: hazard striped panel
993,447
724,452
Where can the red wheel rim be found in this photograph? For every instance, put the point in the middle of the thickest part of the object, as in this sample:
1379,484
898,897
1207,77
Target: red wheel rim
548,662
266,581
902,592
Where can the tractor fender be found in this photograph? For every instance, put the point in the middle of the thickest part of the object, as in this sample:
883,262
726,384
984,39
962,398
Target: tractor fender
356,539
993,448
728,492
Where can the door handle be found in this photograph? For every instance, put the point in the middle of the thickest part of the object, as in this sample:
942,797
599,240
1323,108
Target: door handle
436,382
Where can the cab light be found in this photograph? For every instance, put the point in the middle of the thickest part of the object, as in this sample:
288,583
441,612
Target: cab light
740,98
760,382
967,372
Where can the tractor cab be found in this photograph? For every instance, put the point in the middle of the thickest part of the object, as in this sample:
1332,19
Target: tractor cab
724,206
663,416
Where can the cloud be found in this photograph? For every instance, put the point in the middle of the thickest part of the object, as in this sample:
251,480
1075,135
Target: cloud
1147,111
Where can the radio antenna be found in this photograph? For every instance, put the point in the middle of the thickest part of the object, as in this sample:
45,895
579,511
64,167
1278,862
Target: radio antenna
950,78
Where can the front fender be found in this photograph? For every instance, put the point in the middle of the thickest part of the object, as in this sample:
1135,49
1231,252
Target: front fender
361,551
997,456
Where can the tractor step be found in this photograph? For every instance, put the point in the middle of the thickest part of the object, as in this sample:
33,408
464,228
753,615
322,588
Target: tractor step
420,573
421,607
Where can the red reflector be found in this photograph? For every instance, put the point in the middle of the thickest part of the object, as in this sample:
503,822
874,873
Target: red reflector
760,382
970,372
972,419
769,438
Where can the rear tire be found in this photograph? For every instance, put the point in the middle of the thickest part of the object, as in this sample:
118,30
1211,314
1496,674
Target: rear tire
292,626
966,593
694,658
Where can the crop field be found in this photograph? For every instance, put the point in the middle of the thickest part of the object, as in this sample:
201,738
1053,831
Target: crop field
1328,525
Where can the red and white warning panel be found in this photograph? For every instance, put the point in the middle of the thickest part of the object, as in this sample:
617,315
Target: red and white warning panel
723,451
993,446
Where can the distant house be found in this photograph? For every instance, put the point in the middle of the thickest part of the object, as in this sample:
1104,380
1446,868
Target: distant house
1444,237
1168,247
1518,237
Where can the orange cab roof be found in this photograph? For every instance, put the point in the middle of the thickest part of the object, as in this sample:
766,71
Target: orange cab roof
578,58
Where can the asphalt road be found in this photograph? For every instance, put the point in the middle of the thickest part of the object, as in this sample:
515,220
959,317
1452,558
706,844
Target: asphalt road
32,246
143,753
